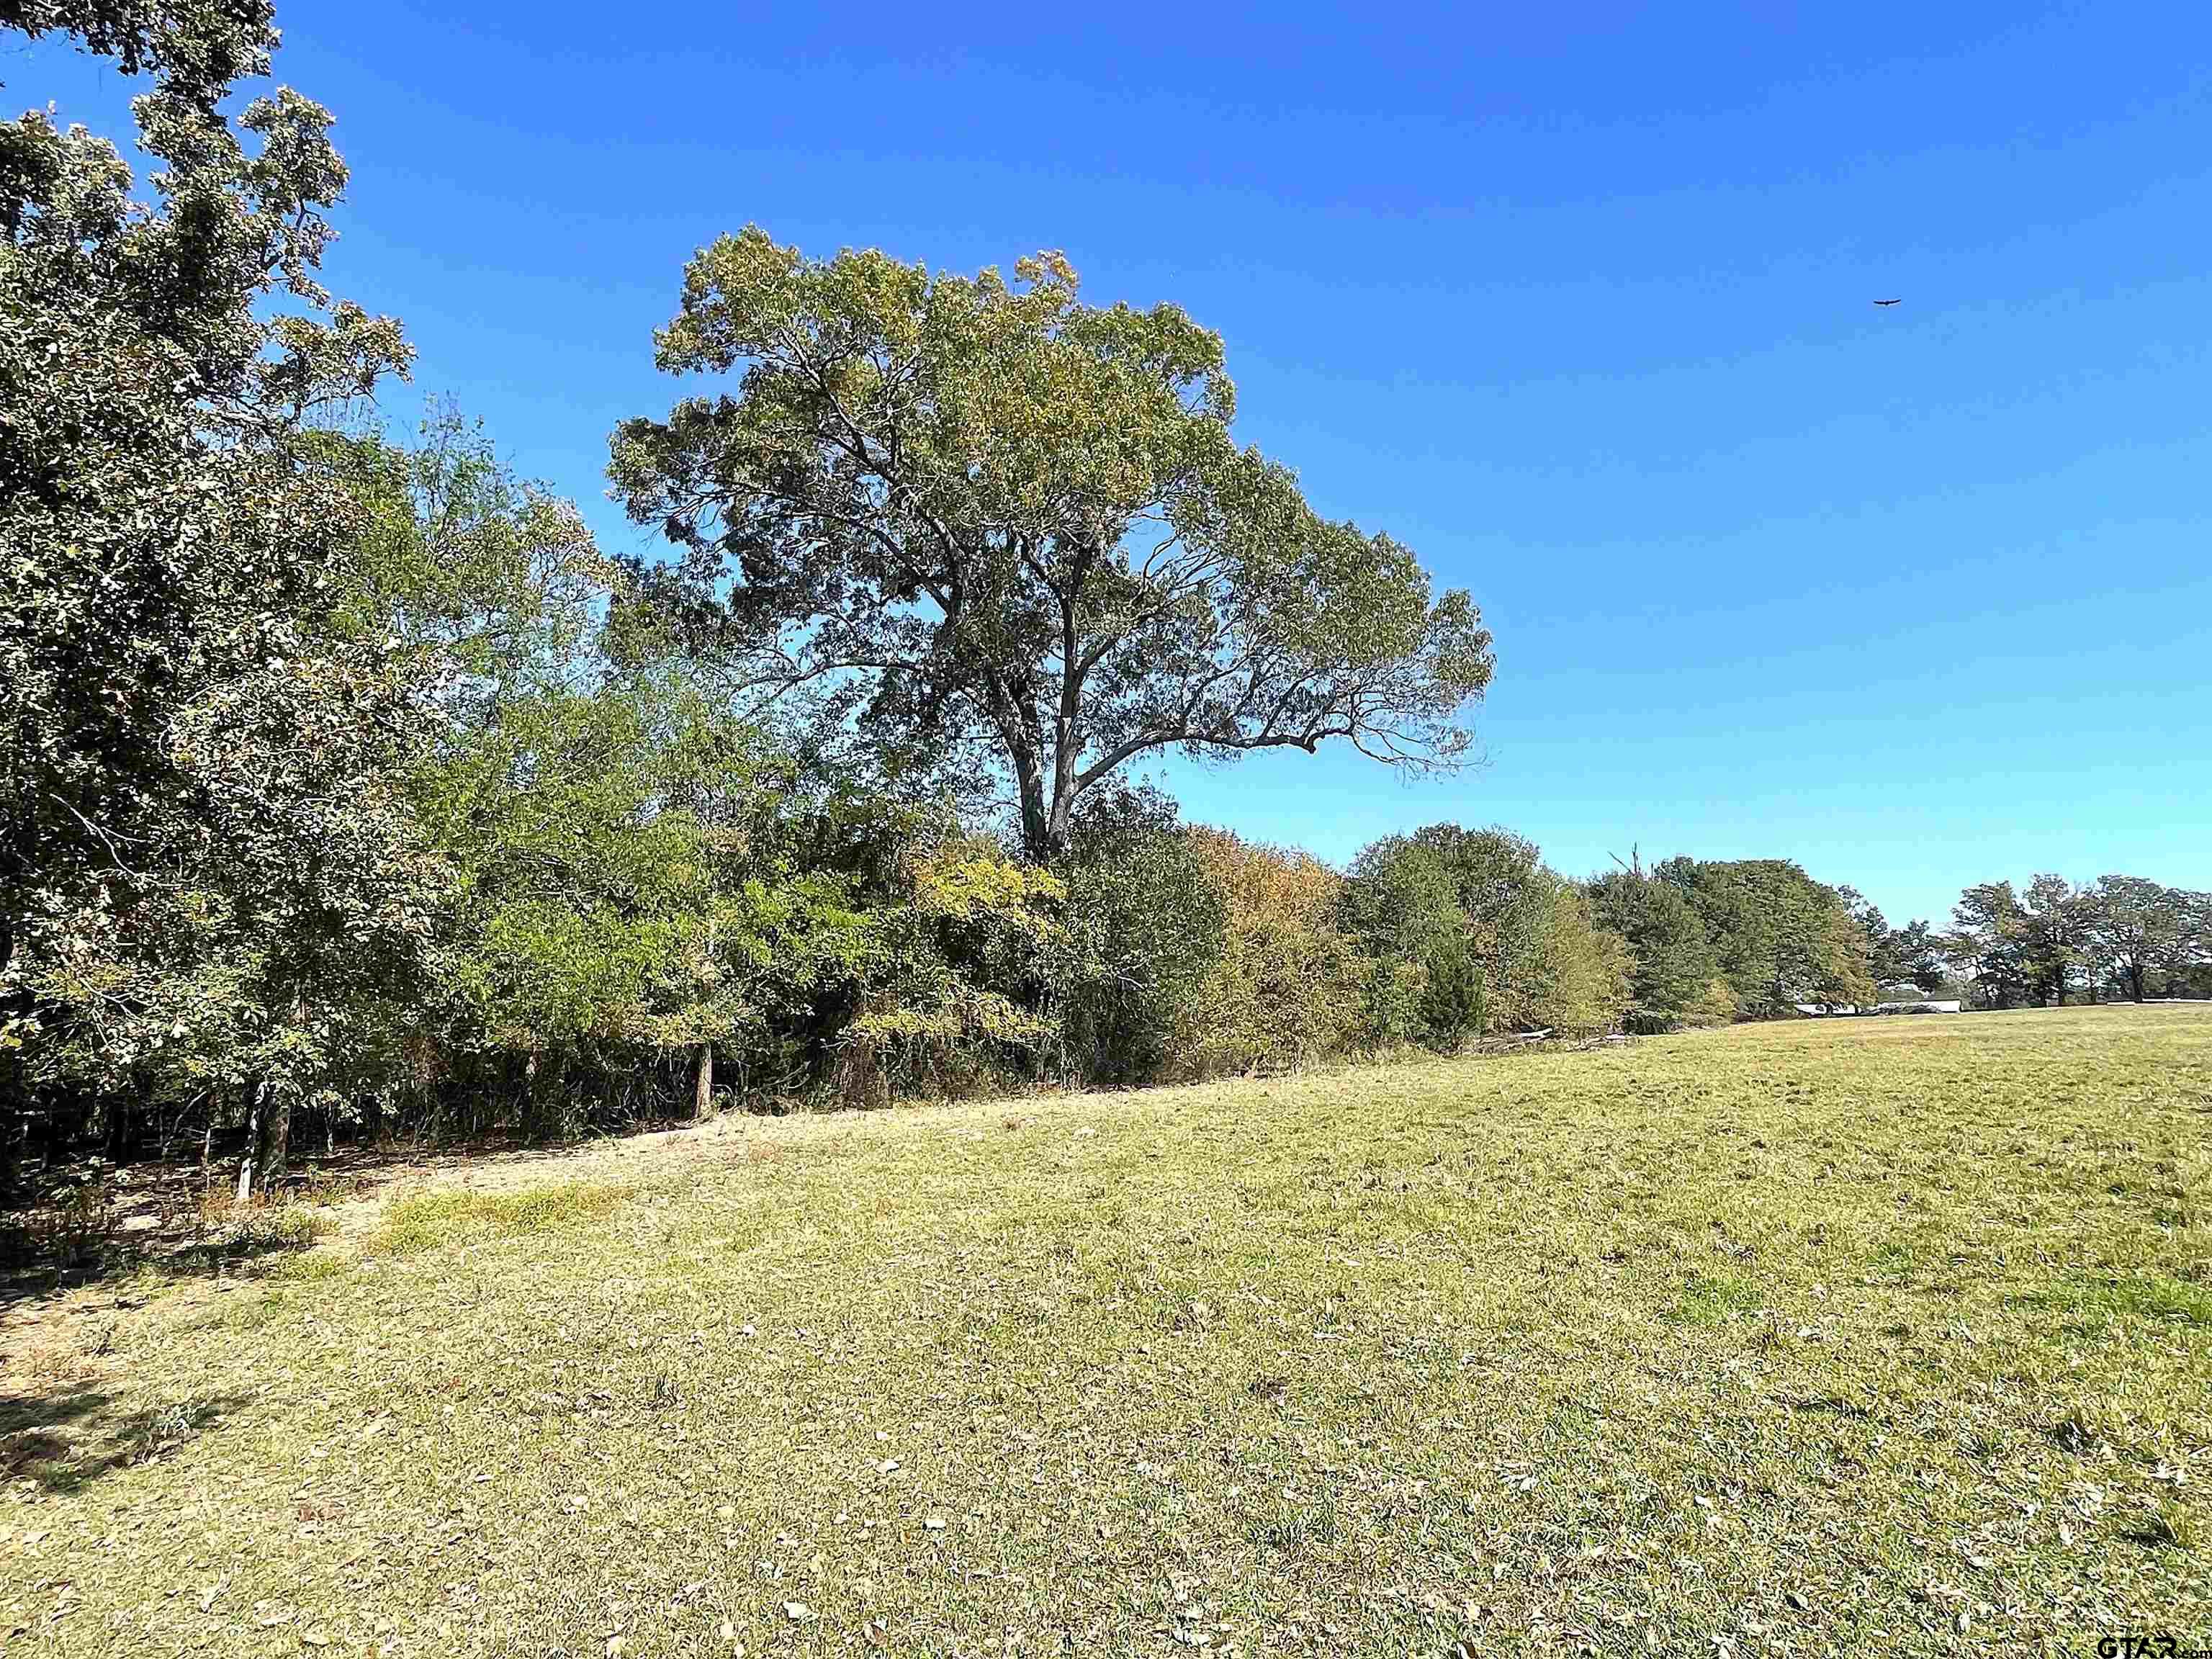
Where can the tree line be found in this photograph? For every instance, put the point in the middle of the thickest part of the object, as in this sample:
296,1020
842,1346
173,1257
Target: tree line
349,787
2119,936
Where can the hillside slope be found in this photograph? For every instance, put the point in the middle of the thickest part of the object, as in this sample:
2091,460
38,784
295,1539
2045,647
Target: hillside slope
1875,1336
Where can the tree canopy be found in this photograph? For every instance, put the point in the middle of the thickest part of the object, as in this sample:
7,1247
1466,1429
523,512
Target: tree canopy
2133,929
1780,937
2124,933
204,850
987,516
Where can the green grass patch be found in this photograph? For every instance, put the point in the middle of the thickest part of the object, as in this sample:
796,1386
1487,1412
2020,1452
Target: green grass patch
428,1220
2093,1301
1710,1298
311,1266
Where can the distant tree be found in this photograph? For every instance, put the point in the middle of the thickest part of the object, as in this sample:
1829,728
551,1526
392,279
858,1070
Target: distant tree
989,519
1583,970
1674,978
1507,898
2136,931
1780,937
1400,903
1990,941
1911,954
2054,921
1915,952
1481,936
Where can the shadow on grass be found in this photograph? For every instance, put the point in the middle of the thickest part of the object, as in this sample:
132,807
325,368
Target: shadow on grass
72,1437
40,1263
88,1221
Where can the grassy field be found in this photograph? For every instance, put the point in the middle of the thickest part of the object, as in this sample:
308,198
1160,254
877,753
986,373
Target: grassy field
1881,1336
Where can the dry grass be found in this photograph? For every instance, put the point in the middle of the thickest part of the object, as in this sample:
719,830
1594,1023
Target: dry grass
1886,1336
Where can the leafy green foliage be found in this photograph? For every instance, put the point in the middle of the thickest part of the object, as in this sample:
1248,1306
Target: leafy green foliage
1582,968
1989,942
1286,990
1507,899
2120,933
1400,903
1780,938
1148,928
961,952
2138,935
643,875
204,868
1472,933
1675,979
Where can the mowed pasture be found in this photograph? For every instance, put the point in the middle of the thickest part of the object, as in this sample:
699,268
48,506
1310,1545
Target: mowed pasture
1875,1336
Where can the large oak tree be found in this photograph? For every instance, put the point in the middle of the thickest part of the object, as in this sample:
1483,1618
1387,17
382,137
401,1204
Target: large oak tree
986,514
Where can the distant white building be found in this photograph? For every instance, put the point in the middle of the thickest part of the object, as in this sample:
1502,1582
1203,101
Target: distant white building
1911,1003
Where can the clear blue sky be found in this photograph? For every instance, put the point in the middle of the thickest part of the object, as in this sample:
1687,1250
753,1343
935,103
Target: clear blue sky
1575,300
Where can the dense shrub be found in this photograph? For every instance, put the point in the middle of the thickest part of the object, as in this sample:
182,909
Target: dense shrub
1400,902
1145,933
956,968
1471,933
1506,897
1285,990
1674,977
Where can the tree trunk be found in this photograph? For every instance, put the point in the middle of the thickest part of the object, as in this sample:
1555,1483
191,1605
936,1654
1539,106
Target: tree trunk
1037,822
2136,981
1046,806
13,1121
702,1085
246,1159
277,1141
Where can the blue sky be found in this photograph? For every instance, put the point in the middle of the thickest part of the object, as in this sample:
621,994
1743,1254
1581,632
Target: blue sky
1575,300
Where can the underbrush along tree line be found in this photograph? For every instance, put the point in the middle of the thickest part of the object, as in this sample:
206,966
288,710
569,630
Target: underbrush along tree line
347,786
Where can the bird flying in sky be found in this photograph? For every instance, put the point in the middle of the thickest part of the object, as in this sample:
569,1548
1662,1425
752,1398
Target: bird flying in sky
1885,303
